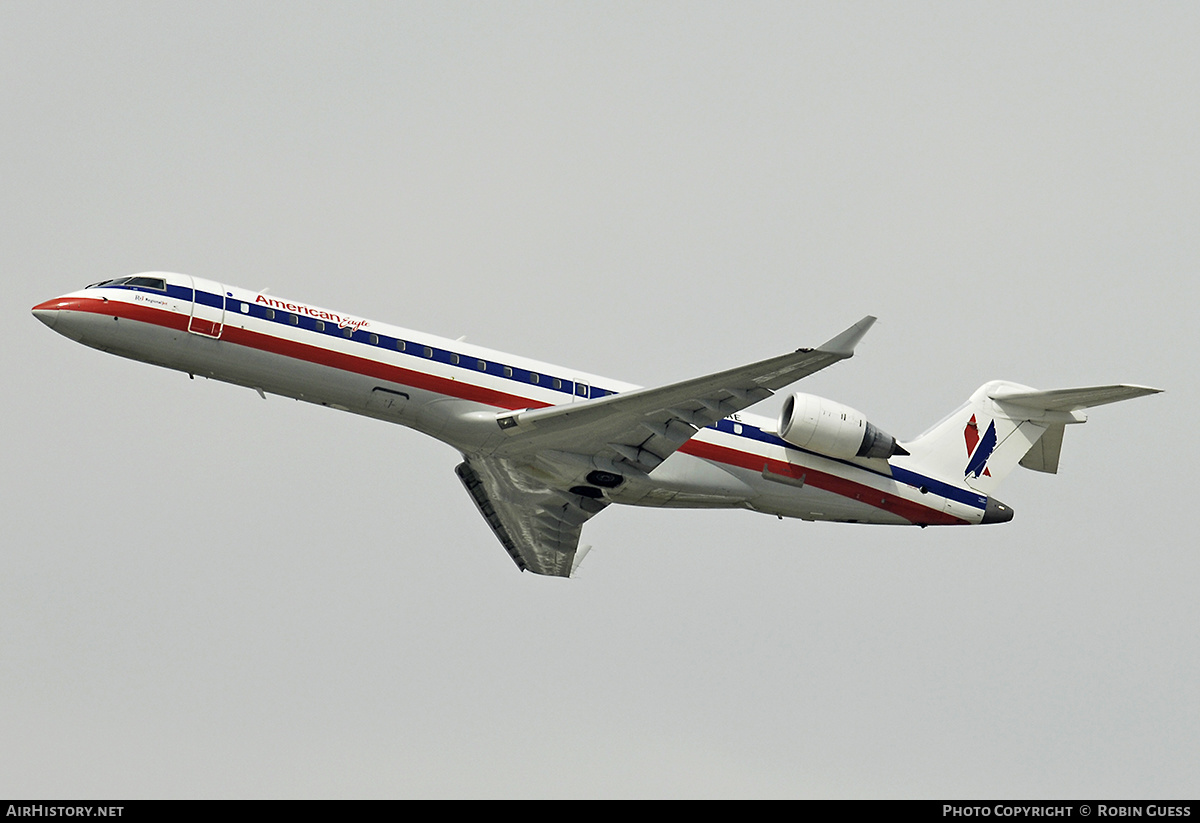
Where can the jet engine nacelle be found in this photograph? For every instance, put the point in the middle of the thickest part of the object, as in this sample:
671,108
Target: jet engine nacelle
832,429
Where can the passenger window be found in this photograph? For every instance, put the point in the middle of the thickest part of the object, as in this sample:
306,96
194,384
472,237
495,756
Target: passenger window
508,371
320,325
534,377
347,332
293,319
454,359
481,365
270,314
557,383
374,338
428,352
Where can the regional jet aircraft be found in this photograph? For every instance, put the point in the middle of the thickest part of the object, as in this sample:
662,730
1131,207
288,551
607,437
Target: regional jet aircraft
546,448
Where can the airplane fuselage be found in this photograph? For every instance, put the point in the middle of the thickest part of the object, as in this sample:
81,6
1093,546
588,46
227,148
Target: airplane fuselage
458,392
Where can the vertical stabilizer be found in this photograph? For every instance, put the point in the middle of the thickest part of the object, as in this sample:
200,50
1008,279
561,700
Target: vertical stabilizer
1002,425
977,445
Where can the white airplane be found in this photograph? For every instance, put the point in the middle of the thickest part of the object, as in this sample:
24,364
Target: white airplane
545,448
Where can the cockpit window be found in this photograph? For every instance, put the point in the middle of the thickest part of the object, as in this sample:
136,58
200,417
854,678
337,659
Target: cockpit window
120,281
147,282
142,282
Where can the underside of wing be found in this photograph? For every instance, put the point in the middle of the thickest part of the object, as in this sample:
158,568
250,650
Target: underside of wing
538,526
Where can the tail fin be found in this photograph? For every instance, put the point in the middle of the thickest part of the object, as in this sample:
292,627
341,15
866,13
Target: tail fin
1003,425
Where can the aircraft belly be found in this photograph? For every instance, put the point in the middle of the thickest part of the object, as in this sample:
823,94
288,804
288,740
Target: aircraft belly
686,481
810,502
328,386
133,339
685,474
230,362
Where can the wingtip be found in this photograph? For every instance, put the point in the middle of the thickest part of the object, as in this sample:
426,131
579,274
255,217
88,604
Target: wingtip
1141,391
845,342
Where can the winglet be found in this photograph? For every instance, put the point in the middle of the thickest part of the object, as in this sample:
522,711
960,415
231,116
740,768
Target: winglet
845,342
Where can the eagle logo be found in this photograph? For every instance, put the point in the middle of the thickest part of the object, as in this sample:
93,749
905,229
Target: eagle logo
979,449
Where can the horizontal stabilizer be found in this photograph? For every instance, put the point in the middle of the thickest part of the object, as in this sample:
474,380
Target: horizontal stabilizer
1071,399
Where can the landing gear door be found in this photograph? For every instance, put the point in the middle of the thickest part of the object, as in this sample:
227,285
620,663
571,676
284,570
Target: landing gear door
208,308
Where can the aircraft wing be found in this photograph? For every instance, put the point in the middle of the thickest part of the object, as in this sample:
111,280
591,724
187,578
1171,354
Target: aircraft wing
639,429
539,523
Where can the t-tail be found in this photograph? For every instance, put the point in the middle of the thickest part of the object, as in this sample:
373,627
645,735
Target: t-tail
1001,426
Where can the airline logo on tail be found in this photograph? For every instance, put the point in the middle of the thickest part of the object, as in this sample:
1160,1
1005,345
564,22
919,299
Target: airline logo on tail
979,449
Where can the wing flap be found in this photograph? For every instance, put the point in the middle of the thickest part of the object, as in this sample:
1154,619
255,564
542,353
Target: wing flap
538,526
474,486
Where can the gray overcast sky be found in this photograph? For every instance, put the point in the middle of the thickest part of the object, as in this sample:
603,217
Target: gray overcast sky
207,595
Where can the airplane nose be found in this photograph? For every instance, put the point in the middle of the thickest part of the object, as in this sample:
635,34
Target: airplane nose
47,312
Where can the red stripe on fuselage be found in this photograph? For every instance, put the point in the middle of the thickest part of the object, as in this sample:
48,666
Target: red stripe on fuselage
310,354
909,510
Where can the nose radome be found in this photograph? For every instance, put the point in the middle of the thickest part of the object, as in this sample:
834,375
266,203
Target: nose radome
47,312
